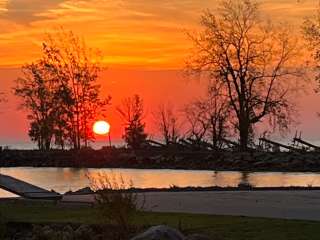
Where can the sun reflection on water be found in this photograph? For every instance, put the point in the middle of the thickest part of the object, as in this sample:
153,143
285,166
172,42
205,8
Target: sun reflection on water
65,179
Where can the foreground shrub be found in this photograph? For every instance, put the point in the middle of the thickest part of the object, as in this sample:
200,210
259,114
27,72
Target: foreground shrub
117,202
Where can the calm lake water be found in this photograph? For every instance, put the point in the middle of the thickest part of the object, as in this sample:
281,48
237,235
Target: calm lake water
65,179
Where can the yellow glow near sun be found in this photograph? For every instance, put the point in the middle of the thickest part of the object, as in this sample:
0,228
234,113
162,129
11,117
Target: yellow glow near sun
101,127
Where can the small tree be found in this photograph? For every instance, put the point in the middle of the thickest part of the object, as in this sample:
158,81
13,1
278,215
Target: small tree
132,114
197,123
251,60
36,91
167,123
209,118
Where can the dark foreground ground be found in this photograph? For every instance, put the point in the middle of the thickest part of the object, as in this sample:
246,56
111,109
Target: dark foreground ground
166,159
20,219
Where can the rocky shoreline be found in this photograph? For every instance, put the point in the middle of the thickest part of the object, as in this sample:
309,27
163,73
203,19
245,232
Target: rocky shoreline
240,187
164,159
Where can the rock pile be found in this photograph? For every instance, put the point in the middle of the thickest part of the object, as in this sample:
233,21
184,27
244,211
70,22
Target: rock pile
202,160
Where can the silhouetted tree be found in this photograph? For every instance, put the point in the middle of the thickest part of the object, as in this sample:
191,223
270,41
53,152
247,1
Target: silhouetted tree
36,91
216,110
166,121
209,118
60,91
251,60
197,123
76,67
132,114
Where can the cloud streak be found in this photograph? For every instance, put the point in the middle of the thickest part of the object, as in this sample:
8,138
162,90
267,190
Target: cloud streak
27,11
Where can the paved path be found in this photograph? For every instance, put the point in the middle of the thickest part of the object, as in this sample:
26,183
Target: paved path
274,204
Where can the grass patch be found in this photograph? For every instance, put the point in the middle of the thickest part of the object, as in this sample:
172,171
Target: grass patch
219,227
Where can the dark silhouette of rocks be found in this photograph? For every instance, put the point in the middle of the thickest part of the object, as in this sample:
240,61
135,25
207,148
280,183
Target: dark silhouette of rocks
163,159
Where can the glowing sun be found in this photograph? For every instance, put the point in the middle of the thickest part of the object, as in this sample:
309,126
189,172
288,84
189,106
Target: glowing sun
101,127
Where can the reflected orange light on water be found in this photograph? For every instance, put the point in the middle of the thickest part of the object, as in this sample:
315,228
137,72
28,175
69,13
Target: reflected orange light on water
65,179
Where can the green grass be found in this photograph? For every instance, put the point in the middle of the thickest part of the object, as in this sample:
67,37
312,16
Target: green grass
219,227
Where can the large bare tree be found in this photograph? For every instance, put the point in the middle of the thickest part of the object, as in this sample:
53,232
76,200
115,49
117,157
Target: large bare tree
251,60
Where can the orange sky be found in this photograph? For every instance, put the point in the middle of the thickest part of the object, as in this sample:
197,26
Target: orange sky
131,33
144,44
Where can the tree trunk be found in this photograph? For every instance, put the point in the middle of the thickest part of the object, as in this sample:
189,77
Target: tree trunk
47,145
39,144
244,135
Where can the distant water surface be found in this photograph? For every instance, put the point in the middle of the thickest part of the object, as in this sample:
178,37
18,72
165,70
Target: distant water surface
65,179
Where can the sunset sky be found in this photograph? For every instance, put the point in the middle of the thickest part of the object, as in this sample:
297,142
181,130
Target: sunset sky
144,43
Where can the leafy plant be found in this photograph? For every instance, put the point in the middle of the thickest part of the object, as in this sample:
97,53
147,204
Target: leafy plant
116,200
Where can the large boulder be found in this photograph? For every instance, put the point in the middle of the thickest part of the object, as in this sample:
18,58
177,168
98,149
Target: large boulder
160,232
